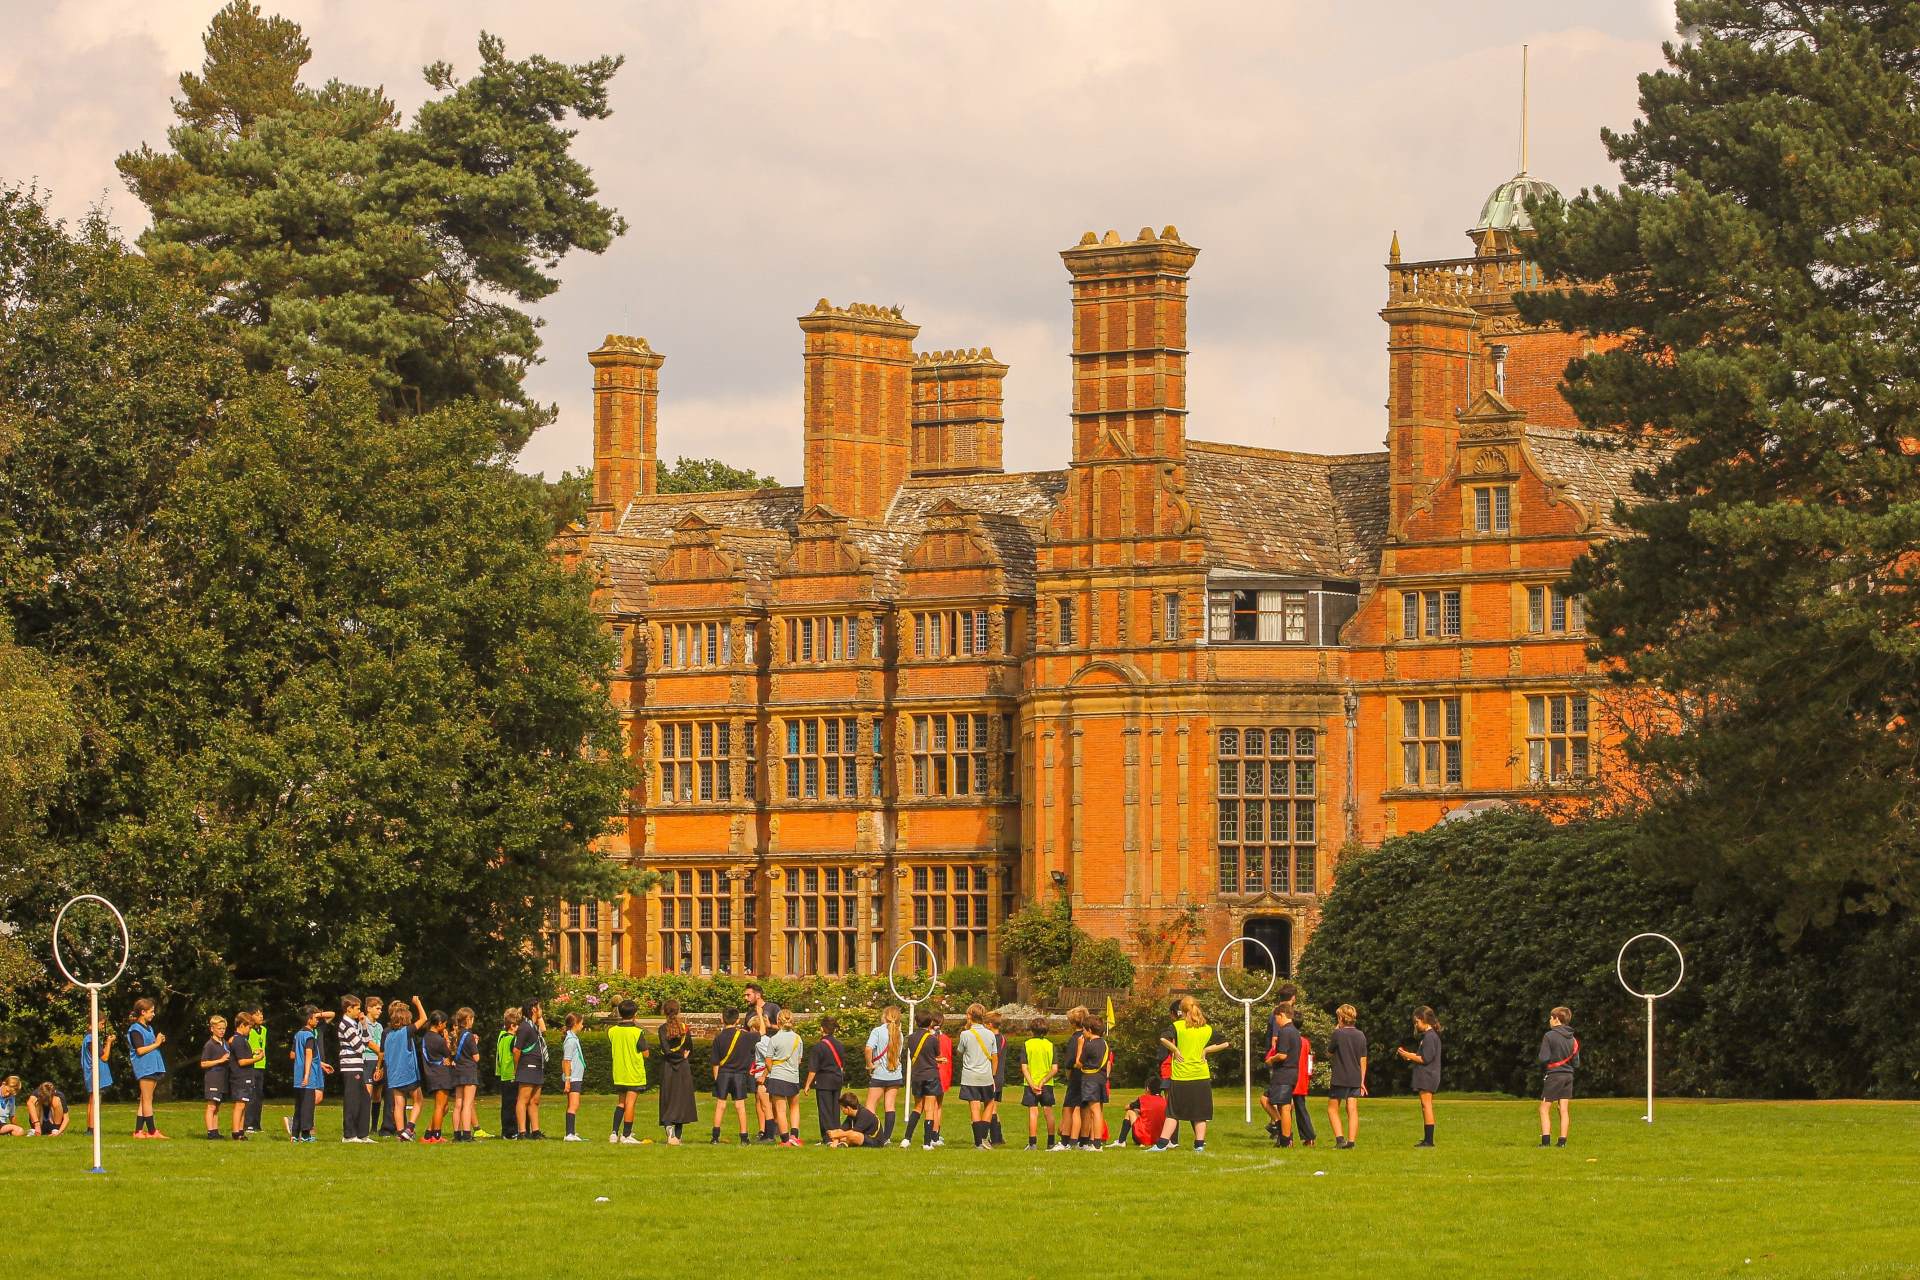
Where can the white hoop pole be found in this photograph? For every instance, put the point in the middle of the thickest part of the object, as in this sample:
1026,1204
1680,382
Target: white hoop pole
1246,1008
1619,971
93,1005
913,1003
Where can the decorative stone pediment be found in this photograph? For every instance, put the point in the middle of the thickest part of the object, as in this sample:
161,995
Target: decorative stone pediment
1491,416
696,554
954,538
821,546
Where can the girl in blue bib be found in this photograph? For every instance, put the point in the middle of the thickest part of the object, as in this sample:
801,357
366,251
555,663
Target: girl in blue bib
143,1048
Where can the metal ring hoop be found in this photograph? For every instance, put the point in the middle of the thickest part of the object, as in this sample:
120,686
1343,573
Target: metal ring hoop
1273,970
126,942
1620,961
933,972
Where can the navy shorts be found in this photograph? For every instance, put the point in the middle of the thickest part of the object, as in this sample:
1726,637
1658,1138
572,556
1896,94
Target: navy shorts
1557,1087
730,1083
895,1083
1042,1098
213,1093
927,1087
979,1093
783,1088
576,1086
1341,1092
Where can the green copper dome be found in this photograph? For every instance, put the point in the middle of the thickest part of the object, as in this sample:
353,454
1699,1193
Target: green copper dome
1506,208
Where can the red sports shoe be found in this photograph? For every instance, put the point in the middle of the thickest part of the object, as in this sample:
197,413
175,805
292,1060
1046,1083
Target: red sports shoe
155,1133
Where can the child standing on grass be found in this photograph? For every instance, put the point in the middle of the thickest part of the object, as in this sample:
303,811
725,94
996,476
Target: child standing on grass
530,1069
1283,1063
731,1056
257,1037
1094,1087
573,1071
143,1050
1071,1105
1302,1084
466,1075
886,1044
401,1049
995,1135
1560,1055
677,1106
503,1073
1190,1096
630,1074
826,1076
979,1054
1036,1074
372,1031
94,1048
1426,1066
436,1054
1349,1083
923,1075
780,1056
243,1073
350,1061
309,1076
215,1063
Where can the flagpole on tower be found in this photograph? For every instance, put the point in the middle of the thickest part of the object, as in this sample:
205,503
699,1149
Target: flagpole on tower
1523,108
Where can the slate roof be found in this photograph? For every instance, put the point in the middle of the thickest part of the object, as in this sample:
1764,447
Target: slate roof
1261,510
1597,470
1272,511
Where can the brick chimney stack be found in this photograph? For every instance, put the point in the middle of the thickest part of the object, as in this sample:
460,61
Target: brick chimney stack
858,406
1130,342
626,426
957,414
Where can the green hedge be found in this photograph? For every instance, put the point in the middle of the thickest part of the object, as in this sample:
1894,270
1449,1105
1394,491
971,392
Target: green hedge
1495,920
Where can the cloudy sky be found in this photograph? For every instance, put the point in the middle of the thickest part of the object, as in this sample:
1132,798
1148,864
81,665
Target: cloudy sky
939,155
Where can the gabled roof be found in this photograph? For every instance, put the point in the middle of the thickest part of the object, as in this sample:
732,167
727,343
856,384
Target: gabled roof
1597,468
1272,511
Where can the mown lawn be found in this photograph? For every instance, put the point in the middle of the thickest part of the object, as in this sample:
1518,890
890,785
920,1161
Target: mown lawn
1713,1189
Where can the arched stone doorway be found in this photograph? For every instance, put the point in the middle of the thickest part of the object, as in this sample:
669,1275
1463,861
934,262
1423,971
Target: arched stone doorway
1277,933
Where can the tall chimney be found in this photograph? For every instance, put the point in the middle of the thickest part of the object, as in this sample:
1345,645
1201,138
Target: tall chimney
1130,342
957,415
858,406
1430,335
626,426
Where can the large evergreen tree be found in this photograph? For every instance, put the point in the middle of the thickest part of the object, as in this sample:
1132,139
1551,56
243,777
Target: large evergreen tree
1758,271
326,226
344,719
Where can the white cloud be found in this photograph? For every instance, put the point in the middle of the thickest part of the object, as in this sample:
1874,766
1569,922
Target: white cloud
940,156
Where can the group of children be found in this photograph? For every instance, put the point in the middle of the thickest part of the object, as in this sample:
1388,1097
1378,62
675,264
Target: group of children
390,1058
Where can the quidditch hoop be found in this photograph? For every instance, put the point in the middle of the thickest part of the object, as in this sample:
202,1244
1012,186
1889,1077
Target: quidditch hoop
1219,976
1620,971
933,972
126,942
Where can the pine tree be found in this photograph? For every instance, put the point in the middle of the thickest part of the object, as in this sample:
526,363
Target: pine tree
1757,269
327,227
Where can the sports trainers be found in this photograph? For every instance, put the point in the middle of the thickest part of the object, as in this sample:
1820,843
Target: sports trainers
628,1140
574,1137
905,1143
614,1139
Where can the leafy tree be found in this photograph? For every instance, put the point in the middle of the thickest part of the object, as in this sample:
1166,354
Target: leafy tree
325,227
1495,920
1761,311
346,720
567,497
709,475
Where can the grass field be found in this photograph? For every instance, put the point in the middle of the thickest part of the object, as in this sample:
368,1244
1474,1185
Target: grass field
1713,1189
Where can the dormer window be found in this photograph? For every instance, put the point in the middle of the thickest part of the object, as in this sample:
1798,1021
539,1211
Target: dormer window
1493,509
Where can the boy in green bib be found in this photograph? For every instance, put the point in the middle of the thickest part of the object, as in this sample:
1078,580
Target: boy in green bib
629,1071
